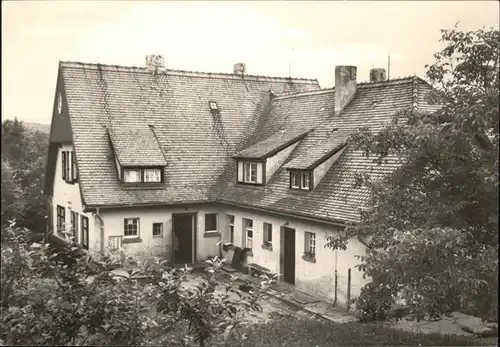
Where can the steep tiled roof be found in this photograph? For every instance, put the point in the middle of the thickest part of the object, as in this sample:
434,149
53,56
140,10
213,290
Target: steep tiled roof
272,144
196,144
335,198
320,151
135,145
257,116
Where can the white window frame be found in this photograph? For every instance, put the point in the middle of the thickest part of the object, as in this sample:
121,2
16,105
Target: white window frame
248,167
138,228
161,229
248,239
152,175
230,225
295,176
267,229
305,176
216,223
125,170
310,243
144,175
300,180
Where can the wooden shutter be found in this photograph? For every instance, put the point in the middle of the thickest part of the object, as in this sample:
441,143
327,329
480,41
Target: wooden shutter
63,165
68,166
240,171
259,173
74,176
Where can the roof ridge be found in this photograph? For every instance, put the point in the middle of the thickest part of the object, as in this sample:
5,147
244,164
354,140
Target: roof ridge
303,93
394,81
362,85
142,69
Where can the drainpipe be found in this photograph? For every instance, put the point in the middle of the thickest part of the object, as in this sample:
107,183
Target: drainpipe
336,280
102,228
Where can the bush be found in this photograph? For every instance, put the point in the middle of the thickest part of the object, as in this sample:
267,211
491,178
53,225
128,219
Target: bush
60,295
374,302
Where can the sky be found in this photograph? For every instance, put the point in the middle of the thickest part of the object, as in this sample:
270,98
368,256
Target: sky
276,38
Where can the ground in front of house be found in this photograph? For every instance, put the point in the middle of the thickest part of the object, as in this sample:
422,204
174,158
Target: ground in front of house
292,318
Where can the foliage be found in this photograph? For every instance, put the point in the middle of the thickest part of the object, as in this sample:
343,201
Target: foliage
62,296
374,302
24,154
433,222
294,332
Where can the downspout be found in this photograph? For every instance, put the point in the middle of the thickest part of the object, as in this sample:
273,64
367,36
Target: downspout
101,221
336,279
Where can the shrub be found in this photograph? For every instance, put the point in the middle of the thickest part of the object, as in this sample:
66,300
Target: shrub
374,302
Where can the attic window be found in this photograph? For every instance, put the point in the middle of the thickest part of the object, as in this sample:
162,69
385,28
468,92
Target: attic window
250,172
300,180
143,175
213,106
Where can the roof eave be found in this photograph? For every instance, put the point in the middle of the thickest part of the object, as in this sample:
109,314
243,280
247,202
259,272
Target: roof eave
331,221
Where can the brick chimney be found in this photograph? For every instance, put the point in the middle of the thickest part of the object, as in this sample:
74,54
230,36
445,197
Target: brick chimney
377,75
345,86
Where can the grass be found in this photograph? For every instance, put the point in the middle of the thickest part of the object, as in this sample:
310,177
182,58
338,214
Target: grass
292,331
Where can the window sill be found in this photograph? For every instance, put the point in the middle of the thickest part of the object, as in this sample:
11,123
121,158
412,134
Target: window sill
211,234
309,258
132,240
157,236
269,248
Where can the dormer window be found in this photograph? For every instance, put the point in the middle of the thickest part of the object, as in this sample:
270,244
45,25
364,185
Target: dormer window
300,180
142,175
213,106
250,172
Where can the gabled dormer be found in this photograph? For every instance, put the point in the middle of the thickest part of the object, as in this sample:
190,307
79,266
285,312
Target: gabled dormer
307,170
138,157
258,162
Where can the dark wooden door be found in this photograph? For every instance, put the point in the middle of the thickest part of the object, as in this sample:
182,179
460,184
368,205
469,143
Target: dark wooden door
183,238
289,256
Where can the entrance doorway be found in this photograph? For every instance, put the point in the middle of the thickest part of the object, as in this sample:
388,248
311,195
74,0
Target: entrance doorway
184,236
288,255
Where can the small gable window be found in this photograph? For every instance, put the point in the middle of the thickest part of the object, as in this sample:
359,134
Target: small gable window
300,180
213,106
142,175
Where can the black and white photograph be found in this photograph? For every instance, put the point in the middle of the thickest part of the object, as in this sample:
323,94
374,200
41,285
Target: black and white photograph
250,173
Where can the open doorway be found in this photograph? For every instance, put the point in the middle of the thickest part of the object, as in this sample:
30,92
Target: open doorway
288,255
184,236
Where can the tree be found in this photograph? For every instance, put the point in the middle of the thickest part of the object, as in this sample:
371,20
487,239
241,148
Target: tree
11,195
24,154
433,223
